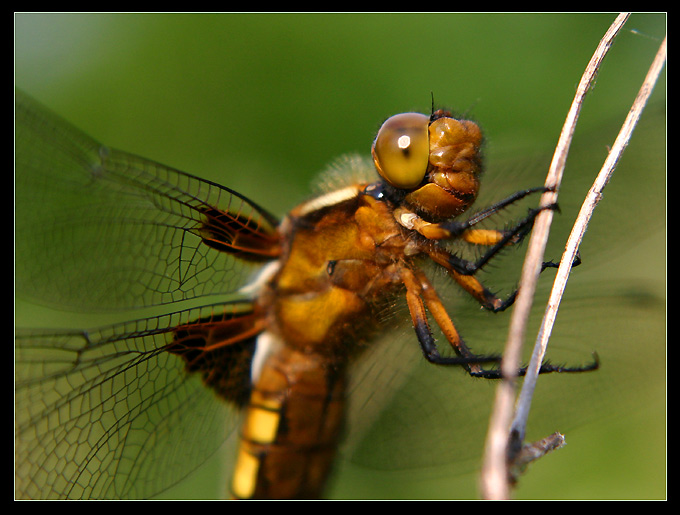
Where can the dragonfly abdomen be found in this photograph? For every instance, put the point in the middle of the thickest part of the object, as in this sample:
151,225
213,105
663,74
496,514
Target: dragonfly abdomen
291,427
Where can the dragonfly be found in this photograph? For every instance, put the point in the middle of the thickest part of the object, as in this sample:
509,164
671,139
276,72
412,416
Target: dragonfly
107,412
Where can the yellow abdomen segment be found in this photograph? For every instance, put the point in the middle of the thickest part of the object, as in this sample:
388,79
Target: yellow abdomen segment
291,428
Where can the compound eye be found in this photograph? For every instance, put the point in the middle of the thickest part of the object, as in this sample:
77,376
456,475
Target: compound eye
401,149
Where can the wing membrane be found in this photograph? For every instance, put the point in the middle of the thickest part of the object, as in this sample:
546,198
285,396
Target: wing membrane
114,230
114,412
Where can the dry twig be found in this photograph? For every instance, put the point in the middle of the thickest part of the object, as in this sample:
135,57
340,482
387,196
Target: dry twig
495,481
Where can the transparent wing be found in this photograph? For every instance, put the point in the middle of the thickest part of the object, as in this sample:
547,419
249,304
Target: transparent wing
114,412
113,230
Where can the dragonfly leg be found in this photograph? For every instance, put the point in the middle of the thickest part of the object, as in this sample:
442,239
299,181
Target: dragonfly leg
546,368
471,284
474,287
552,264
421,297
452,229
504,238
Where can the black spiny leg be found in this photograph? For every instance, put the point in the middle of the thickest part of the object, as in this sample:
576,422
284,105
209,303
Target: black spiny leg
419,294
552,264
546,368
474,287
453,229
417,288
511,236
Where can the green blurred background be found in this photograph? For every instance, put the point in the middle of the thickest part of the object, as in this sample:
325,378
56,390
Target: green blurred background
262,102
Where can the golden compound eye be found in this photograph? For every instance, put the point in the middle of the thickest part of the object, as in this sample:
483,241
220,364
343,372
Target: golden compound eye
401,149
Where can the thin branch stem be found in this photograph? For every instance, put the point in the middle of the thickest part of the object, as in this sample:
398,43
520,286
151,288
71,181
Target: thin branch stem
495,477
578,230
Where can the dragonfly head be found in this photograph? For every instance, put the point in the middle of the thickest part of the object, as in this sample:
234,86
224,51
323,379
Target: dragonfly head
435,160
